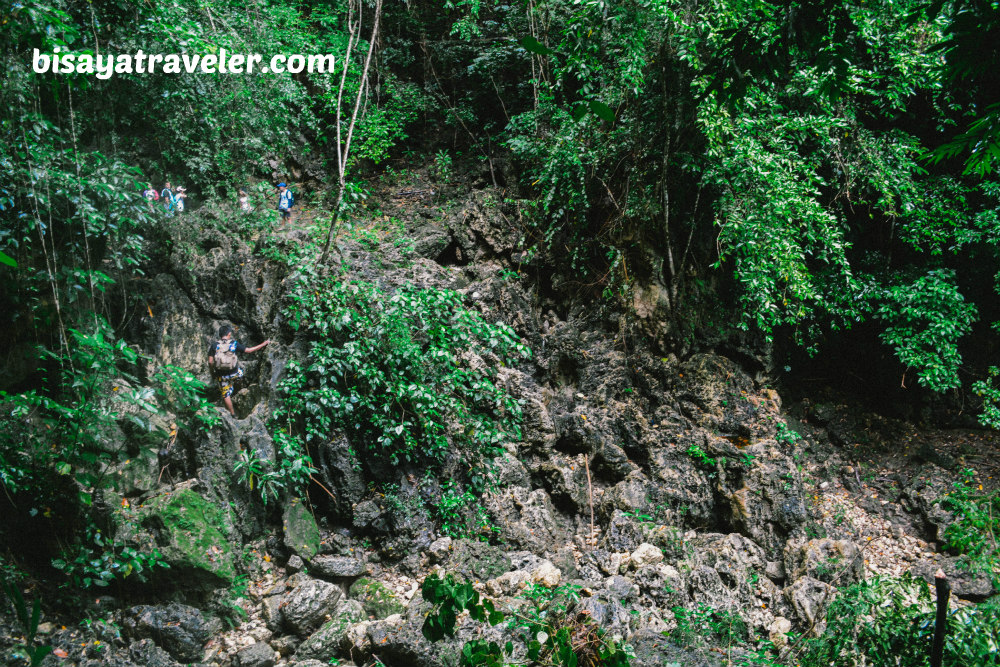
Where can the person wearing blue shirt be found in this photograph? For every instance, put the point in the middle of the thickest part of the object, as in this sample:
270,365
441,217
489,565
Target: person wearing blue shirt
286,200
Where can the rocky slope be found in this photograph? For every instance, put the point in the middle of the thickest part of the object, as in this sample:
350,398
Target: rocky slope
647,489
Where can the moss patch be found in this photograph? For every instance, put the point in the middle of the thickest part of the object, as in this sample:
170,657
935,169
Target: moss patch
191,534
377,600
301,531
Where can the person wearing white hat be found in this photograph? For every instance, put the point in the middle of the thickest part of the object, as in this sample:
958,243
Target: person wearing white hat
179,198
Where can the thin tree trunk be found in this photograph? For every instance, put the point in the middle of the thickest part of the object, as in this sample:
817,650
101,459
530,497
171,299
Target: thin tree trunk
943,589
343,156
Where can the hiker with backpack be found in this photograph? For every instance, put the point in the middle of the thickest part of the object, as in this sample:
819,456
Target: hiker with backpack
168,197
222,357
286,200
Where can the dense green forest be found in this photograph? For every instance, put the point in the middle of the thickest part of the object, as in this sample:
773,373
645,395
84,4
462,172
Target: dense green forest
808,188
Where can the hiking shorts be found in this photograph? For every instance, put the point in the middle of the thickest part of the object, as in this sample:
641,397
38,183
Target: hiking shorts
228,382
285,213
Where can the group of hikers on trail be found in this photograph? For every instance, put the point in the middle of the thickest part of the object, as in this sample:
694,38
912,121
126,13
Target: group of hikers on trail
173,200
286,200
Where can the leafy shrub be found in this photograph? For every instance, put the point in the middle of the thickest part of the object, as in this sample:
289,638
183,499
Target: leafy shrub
182,394
97,561
401,374
29,649
925,320
546,634
70,433
890,621
695,626
975,527
990,393
290,473
454,508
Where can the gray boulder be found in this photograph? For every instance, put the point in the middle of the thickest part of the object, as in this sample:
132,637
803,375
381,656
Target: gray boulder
809,599
336,567
305,607
836,562
325,642
256,655
178,629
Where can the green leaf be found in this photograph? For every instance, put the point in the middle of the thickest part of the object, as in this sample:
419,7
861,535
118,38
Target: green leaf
533,45
7,259
602,110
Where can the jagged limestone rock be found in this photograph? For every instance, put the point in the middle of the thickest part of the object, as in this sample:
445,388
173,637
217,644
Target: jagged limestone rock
646,554
326,642
337,567
178,629
306,606
836,562
809,599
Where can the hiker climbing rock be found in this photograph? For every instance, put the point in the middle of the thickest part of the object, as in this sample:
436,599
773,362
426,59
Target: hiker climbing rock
286,200
224,360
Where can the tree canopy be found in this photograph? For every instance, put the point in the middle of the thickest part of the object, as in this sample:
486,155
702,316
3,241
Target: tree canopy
779,170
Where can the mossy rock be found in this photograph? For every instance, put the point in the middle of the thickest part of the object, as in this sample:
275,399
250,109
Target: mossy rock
375,598
326,641
191,534
478,561
301,531
139,473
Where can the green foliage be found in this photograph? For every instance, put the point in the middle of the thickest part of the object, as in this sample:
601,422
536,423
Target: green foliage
409,376
179,392
30,650
452,597
72,431
974,530
73,427
784,434
546,634
453,509
255,473
700,457
443,166
97,561
890,621
990,394
705,624
925,320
